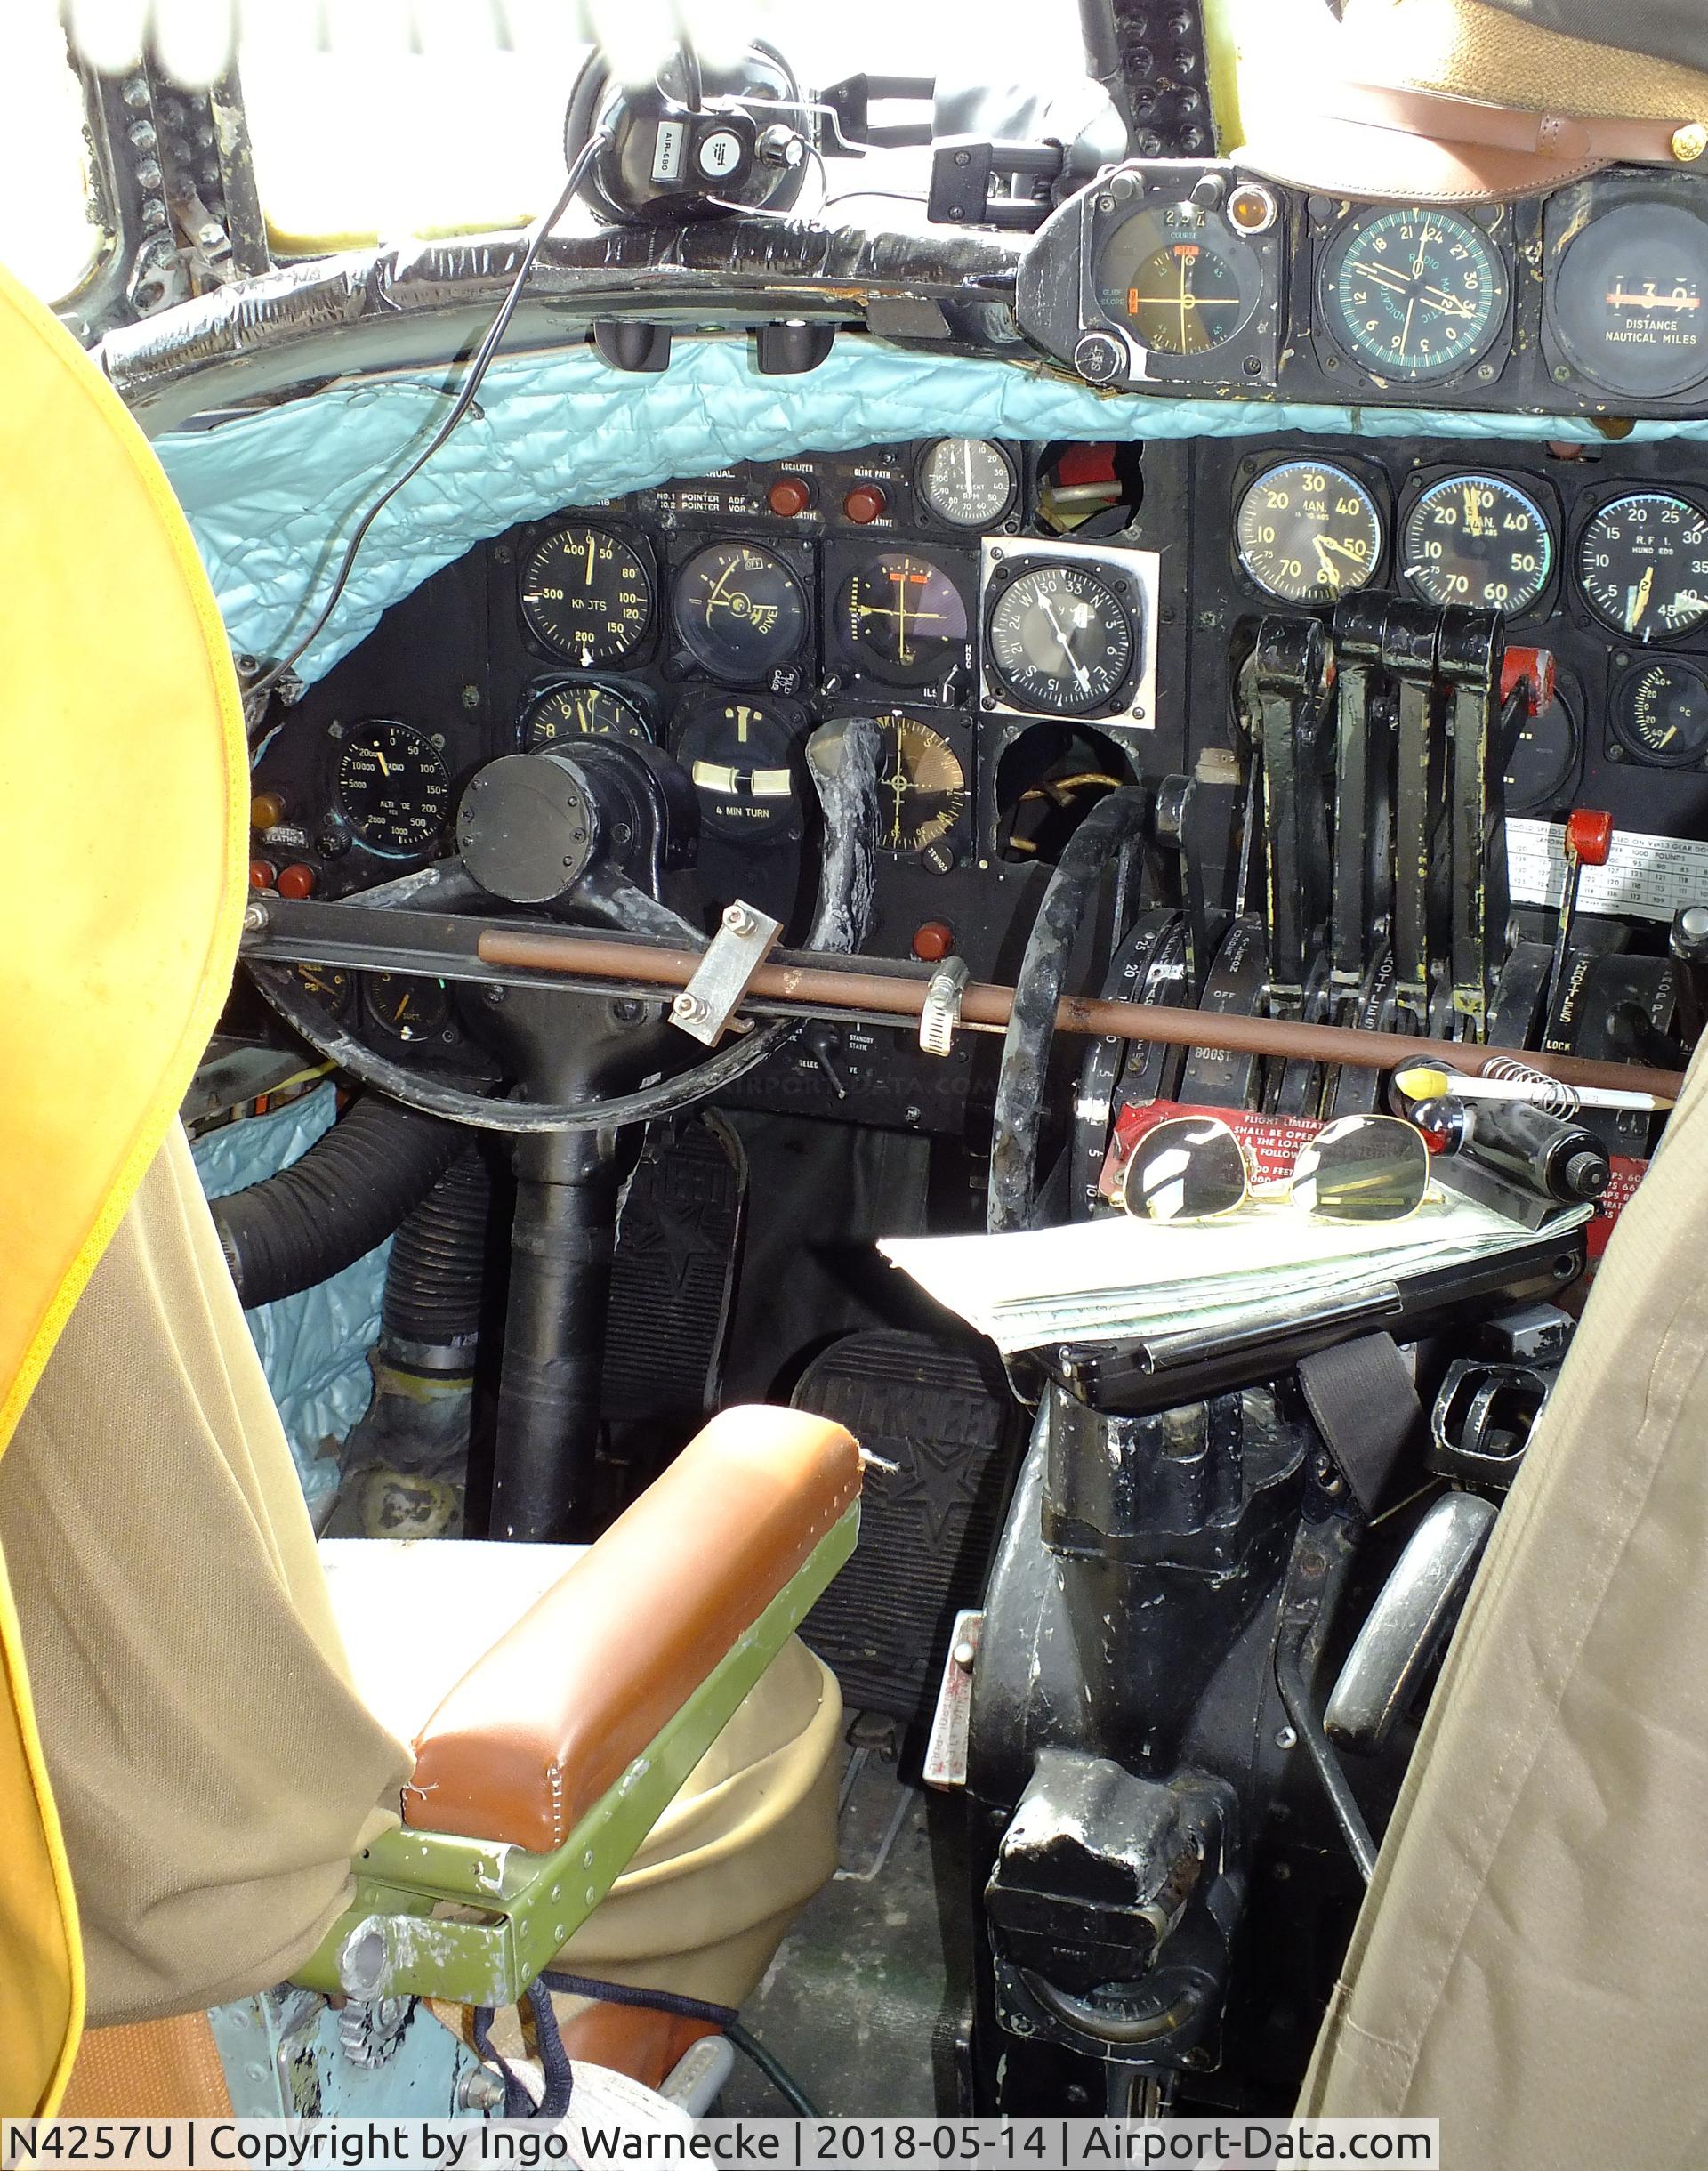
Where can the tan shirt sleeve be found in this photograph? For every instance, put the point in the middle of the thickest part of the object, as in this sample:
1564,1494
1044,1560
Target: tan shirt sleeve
214,1770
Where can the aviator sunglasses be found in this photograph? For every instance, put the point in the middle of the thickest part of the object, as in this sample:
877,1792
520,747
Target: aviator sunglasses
1193,1168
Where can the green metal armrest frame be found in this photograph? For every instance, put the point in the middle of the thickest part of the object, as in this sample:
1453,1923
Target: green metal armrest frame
474,1921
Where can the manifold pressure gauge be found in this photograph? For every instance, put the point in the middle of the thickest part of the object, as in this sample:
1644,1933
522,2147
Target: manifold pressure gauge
587,595
1308,532
1061,640
922,789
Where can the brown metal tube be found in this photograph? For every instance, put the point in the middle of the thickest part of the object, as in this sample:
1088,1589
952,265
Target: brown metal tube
985,1003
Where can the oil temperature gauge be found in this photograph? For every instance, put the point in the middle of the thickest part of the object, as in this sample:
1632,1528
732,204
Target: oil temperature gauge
1660,714
393,784
922,789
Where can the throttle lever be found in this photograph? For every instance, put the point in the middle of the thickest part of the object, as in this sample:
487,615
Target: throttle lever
1588,842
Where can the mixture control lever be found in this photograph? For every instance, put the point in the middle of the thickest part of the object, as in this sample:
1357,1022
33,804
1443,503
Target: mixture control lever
1588,843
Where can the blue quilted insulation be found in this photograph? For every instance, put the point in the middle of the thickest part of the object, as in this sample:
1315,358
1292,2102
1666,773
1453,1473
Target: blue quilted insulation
273,496
313,1346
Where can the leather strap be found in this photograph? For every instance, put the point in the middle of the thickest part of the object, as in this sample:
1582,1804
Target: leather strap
1443,118
1363,1398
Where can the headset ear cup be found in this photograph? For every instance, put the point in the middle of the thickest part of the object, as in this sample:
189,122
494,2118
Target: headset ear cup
760,73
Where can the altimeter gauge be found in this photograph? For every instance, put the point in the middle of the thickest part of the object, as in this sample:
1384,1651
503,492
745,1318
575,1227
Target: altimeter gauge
394,786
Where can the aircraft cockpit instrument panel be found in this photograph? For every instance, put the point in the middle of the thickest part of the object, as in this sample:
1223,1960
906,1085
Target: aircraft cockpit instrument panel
1176,273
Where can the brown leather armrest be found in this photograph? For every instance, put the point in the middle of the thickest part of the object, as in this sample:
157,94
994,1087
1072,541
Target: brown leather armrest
538,1729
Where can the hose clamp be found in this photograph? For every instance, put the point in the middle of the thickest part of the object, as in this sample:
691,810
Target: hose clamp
939,1014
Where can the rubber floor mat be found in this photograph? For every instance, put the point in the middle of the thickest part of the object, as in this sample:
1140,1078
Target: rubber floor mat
944,1417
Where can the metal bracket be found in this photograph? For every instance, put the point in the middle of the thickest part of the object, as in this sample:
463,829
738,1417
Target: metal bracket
744,939
939,1016
946,1753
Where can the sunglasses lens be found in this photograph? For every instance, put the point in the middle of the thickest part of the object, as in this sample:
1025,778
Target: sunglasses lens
1184,1170
1363,1168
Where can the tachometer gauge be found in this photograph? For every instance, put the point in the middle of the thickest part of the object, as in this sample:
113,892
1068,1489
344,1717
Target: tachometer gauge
393,784
1628,303
1061,640
740,610
1307,532
904,617
1413,293
1180,279
967,481
921,785
1477,540
1660,714
406,1006
741,760
582,711
587,595
1643,563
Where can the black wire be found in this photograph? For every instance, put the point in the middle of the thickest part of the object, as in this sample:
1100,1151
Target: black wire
897,195
464,399
694,2009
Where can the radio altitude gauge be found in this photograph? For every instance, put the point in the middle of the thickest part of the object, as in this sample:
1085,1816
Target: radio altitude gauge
1180,279
582,711
921,785
1643,565
1478,540
740,610
1412,293
1307,532
966,482
586,595
393,784
904,617
1061,640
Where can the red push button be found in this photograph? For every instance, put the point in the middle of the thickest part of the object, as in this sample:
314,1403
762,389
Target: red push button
933,941
261,874
865,502
296,880
788,497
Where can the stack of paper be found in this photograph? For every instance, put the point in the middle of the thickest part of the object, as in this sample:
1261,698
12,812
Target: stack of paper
1118,1279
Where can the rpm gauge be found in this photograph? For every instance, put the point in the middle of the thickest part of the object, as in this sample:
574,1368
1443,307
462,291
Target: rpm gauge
1307,532
967,481
1478,540
582,711
393,784
587,595
1061,641
905,618
921,785
1413,293
1642,562
1660,714
1631,296
741,758
1180,279
740,610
